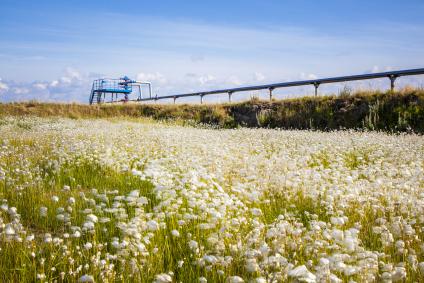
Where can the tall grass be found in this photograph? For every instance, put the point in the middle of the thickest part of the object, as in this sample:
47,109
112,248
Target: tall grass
394,112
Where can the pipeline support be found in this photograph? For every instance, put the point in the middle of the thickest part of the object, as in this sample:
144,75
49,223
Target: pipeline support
270,93
392,82
316,85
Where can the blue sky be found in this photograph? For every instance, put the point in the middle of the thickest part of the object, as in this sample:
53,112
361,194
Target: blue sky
51,50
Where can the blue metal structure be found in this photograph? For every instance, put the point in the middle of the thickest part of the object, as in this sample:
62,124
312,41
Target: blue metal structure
122,87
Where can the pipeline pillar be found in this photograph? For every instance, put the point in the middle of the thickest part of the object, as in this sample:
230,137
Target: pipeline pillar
270,93
392,82
316,85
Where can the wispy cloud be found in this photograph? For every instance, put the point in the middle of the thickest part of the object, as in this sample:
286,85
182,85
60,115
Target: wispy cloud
72,86
181,56
3,86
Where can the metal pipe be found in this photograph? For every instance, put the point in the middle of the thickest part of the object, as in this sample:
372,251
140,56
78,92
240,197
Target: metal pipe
139,92
400,73
149,84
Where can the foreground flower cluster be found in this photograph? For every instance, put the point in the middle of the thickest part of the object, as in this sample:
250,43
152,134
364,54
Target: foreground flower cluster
97,200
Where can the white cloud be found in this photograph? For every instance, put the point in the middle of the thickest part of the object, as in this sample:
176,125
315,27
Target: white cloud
205,79
377,69
3,86
305,76
174,47
194,79
65,80
40,86
72,73
217,55
259,77
73,86
20,90
71,76
156,77
234,80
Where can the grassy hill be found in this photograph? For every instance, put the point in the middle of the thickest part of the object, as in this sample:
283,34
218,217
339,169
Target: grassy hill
394,112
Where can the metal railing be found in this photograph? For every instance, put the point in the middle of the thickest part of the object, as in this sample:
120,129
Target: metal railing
125,86
392,75
111,85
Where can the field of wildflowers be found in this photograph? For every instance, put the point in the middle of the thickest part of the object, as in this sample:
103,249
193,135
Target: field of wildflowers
130,201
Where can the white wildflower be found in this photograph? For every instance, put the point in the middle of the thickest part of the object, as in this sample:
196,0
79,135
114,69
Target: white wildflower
163,278
43,211
301,273
92,218
86,278
9,230
234,279
152,225
88,246
251,265
193,245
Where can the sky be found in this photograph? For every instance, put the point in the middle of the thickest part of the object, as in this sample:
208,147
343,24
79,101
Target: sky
52,50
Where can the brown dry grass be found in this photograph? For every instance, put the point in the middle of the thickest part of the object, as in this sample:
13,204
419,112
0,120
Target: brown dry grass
401,110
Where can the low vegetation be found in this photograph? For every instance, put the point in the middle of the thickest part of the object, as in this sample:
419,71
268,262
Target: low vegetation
393,112
107,200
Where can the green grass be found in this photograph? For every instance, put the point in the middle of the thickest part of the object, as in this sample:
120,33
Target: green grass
399,111
46,166
82,175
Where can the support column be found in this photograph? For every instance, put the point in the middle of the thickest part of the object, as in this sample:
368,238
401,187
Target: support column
175,98
316,85
270,93
229,96
201,99
392,82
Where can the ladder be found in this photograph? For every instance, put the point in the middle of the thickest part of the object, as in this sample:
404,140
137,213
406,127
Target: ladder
95,96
